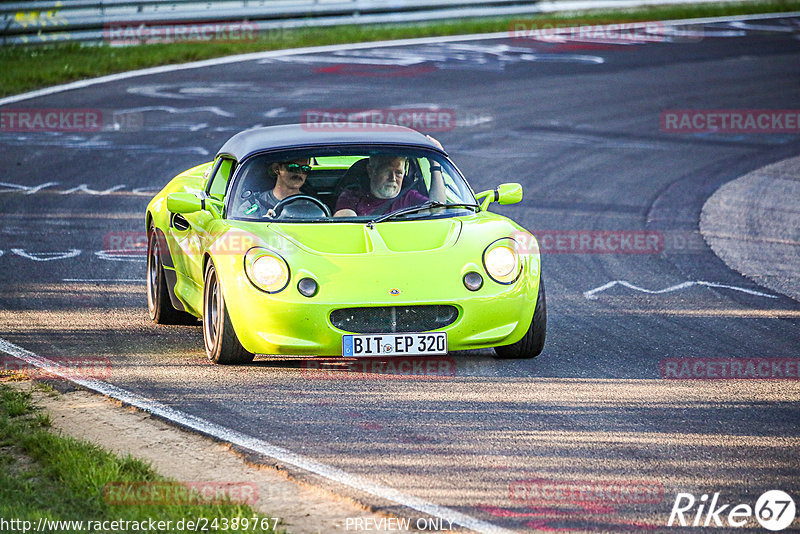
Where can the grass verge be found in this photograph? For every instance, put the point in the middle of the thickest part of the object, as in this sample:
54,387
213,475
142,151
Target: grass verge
45,476
28,68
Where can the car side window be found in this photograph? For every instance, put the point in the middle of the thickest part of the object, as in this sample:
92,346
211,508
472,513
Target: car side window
452,190
219,182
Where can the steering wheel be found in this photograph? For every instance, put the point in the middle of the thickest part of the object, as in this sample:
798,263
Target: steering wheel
280,206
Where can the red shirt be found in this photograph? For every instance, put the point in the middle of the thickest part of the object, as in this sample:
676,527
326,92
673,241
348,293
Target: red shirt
363,203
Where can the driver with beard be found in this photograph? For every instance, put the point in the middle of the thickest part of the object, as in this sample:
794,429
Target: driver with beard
385,175
289,178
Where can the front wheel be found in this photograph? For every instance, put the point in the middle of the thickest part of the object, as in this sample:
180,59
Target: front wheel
532,343
222,344
158,301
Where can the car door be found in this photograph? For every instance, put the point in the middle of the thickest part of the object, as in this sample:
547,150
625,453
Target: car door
190,230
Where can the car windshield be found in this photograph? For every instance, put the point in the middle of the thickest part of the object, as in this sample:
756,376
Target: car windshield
348,184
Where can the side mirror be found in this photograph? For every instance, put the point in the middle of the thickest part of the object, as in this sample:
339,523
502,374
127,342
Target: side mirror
184,203
503,194
509,193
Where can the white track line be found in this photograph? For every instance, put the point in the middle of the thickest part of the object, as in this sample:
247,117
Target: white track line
330,48
254,444
592,293
46,256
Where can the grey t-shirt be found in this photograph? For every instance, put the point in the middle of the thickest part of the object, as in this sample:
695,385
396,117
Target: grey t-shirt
258,204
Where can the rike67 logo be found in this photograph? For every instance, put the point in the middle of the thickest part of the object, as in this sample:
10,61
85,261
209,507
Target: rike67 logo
774,510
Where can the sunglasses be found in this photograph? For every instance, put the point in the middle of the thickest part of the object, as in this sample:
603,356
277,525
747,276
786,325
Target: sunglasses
296,167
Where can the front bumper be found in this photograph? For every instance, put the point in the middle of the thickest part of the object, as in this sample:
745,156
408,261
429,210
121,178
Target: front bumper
288,323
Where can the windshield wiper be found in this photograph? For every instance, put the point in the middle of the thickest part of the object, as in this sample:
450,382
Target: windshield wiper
420,207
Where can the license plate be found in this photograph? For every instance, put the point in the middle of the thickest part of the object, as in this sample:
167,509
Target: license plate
394,344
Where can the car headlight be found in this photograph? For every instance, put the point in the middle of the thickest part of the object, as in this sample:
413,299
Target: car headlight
501,261
266,270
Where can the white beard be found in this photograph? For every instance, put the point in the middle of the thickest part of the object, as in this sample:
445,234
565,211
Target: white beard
387,191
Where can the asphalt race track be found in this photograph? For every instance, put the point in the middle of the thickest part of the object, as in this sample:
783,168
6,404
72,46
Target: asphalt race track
578,124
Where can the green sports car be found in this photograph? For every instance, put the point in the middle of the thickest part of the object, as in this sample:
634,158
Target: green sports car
347,242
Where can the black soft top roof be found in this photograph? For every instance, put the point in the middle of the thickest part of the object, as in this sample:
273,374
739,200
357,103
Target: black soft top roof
270,138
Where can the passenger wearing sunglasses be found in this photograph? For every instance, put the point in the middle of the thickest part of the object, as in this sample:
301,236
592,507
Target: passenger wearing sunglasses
289,178
385,175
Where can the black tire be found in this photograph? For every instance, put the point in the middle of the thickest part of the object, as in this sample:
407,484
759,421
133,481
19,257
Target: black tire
159,304
219,337
532,343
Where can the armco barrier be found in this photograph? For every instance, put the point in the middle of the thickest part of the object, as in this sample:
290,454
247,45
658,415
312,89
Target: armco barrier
47,21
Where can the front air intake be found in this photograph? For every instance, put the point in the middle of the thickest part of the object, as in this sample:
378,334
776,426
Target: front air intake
387,319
